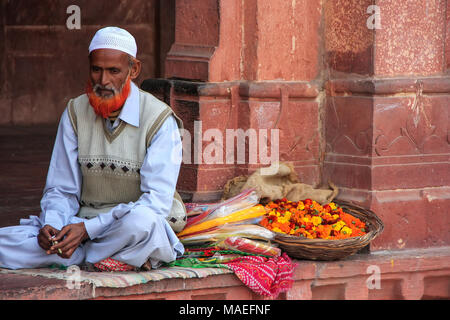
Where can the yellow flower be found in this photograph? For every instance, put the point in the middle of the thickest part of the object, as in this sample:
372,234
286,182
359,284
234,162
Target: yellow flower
338,225
346,231
285,218
335,216
301,206
276,229
332,205
288,215
317,206
316,220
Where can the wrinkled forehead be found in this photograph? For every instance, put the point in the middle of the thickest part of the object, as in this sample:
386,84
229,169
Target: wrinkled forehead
108,58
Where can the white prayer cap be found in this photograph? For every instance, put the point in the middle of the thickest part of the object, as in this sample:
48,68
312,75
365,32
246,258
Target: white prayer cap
114,38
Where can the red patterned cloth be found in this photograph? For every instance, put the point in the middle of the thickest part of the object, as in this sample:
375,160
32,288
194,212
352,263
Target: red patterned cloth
265,276
110,264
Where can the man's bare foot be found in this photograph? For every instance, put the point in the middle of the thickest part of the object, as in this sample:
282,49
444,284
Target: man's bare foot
147,266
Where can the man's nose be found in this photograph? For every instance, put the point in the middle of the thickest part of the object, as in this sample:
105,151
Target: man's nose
104,79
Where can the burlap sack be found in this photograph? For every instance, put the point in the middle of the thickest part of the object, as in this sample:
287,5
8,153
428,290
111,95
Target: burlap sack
283,184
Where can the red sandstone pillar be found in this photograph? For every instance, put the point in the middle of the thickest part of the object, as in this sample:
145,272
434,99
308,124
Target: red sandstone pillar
364,107
387,116
252,78
196,37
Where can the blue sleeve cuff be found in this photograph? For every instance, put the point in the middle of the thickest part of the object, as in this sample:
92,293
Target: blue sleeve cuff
94,227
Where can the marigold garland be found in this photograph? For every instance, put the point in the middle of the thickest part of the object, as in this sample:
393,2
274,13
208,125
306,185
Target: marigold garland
311,220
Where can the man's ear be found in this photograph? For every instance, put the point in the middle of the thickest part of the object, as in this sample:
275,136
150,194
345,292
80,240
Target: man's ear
135,69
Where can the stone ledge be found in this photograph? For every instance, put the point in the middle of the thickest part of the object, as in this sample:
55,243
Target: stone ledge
404,274
389,86
246,89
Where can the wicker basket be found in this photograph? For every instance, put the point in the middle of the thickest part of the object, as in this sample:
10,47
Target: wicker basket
321,249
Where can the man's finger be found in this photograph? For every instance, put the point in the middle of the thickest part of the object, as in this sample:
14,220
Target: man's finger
43,242
60,244
67,244
57,246
71,241
41,238
67,254
53,232
61,233
45,233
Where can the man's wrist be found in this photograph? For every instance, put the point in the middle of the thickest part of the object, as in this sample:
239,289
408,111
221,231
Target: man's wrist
85,233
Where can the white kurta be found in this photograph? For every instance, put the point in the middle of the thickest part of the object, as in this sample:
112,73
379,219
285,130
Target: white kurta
131,232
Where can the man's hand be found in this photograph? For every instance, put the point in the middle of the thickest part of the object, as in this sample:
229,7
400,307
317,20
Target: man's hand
69,238
45,237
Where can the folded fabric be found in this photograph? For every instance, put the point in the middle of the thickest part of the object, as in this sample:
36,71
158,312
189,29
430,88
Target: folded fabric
216,261
210,251
220,233
250,246
264,276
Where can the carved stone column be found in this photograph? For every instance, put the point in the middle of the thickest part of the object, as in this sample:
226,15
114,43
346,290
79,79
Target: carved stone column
387,116
359,103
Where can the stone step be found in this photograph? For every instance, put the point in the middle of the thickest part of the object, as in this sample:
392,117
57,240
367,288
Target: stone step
384,275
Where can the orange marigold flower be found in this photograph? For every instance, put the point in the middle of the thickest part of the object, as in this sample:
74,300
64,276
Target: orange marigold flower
310,219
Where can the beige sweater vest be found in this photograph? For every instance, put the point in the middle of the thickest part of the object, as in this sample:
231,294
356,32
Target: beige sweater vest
110,161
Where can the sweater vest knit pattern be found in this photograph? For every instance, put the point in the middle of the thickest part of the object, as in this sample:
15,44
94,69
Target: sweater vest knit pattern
110,161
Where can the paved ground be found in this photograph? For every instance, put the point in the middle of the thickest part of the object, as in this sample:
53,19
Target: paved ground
24,158
404,274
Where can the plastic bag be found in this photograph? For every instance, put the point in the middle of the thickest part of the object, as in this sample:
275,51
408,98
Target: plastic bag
243,201
238,216
198,213
230,230
194,209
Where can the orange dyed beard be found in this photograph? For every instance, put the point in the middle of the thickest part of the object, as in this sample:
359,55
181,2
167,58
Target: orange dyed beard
103,106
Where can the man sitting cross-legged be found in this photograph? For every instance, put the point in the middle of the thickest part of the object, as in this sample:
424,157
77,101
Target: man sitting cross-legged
112,176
